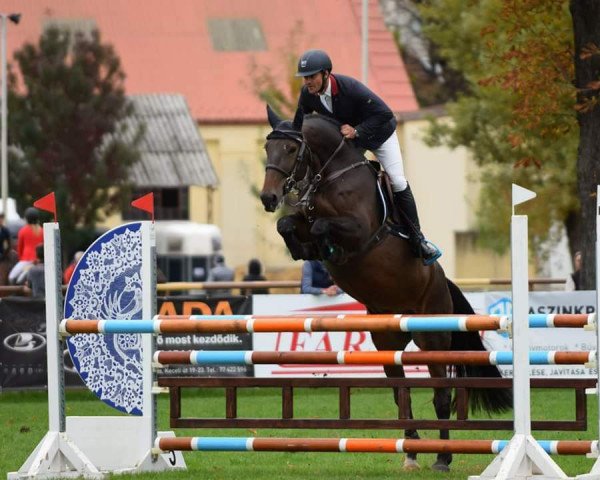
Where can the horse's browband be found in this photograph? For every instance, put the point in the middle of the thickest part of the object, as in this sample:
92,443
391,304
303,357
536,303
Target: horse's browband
285,134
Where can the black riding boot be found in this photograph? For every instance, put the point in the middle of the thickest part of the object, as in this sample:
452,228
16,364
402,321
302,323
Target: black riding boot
405,202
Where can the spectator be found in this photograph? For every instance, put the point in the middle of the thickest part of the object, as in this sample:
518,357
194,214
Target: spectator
221,273
68,273
4,238
254,274
35,275
29,237
316,279
6,252
574,280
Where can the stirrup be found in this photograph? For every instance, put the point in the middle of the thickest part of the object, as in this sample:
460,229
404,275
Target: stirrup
434,251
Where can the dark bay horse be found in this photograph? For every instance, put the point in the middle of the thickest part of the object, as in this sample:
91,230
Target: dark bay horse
339,219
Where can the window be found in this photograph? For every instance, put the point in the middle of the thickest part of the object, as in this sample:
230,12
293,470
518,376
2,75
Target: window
169,204
74,26
184,268
236,35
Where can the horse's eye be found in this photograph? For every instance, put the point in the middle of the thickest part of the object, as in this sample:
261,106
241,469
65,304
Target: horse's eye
292,148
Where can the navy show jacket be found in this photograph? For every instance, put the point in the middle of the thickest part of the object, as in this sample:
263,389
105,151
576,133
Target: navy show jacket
354,104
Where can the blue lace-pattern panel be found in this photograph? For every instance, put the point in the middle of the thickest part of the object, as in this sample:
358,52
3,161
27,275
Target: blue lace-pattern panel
107,284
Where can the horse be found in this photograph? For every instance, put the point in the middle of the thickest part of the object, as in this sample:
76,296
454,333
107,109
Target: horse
338,216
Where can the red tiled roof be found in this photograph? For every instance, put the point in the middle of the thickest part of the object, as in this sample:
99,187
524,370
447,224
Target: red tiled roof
165,46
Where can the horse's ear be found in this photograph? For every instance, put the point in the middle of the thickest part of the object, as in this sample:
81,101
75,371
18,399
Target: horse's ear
298,119
274,120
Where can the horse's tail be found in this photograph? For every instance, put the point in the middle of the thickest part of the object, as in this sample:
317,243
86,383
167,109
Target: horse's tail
490,400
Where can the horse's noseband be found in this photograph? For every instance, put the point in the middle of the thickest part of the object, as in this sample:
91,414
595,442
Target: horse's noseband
290,176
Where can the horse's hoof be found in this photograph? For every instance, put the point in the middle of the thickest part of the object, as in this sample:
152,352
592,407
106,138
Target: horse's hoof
440,467
410,465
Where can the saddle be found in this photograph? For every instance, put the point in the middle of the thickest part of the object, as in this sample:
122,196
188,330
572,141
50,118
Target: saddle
394,219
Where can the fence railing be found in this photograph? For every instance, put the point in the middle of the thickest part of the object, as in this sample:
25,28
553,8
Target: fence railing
274,285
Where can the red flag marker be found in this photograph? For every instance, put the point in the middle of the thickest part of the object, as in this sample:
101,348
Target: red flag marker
145,203
47,203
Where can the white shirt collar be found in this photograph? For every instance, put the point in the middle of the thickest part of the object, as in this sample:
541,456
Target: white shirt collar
327,91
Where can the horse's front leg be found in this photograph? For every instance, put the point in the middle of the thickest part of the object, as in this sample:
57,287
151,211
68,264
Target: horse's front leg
392,341
338,237
295,232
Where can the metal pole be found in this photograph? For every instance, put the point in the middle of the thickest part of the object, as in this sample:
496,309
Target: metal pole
54,314
365,41
597,465
4,166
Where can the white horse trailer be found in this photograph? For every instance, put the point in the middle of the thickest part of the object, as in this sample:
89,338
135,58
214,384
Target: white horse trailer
185,250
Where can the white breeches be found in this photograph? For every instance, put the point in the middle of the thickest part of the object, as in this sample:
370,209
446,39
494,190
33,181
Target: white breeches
18,273
390,157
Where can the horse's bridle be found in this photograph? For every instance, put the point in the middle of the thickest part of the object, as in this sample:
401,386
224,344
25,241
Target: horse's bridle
298,138
309,185
312,184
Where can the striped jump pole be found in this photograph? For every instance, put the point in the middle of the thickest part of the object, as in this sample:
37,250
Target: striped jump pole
361,445
341,323
251,357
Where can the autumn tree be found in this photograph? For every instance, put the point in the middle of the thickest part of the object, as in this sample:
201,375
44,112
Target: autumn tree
586,28
519,119
67,130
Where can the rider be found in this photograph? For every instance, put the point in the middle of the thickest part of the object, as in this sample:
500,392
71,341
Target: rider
367,120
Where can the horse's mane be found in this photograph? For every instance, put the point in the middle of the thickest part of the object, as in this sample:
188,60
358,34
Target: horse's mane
332,122
289,124
318,116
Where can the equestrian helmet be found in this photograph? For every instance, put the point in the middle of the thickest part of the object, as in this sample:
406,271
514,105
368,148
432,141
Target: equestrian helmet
32,215
313,61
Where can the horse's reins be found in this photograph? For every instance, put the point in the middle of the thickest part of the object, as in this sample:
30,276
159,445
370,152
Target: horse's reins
318,178
305,200
337,173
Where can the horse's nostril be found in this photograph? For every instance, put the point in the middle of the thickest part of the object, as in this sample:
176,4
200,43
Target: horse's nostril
269,200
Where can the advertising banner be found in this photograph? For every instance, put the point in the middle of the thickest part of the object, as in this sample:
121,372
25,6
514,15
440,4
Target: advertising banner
498,303
178,305
23,336
560,339
23,340
316,341
23,348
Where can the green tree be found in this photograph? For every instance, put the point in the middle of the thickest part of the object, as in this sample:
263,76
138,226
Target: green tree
67,121
519,119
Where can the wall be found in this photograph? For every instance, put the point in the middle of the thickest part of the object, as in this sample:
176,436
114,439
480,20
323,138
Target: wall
439,178
248,231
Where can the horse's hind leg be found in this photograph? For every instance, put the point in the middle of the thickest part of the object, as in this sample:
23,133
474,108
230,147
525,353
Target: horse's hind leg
388,341
442,403
442,397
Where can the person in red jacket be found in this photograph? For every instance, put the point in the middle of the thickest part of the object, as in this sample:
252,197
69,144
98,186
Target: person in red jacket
68,273
29,237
